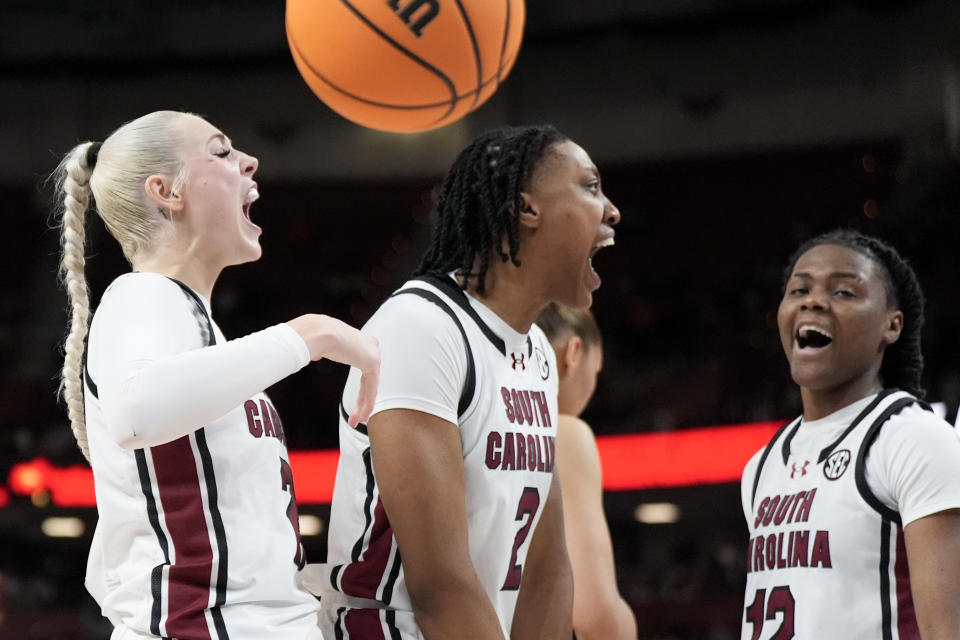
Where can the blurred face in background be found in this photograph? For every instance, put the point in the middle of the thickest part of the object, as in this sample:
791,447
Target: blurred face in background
579,363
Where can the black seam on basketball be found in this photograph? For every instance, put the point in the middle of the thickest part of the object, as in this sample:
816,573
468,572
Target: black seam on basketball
496,78
426,65
402,107
476,52
503,45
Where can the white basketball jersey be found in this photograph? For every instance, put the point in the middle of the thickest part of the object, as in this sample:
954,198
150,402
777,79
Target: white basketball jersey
826,557
507,421
176,553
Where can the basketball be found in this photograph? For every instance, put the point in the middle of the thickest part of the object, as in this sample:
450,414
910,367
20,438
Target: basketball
404,65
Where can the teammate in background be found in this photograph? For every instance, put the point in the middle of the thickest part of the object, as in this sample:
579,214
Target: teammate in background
854,507
197,534
453,473
599,612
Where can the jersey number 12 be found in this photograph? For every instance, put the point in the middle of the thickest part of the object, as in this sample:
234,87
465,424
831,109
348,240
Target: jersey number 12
780,601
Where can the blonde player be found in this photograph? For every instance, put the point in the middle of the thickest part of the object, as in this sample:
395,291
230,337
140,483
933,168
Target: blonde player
446,519
599,611
854,507
197,535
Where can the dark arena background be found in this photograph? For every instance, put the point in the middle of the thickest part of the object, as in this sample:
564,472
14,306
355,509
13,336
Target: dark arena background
727,131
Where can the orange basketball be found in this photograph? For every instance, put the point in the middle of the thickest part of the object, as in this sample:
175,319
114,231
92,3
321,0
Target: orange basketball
404,65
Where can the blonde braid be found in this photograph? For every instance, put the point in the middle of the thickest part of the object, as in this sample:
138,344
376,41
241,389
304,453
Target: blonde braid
140,148
74,182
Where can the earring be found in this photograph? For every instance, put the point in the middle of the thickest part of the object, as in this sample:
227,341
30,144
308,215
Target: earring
164,213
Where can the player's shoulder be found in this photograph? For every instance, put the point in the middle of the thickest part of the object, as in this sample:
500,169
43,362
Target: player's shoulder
753,464
141,290
913,422
412,317
574,429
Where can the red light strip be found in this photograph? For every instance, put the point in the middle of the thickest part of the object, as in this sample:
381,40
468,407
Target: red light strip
689,457
708,455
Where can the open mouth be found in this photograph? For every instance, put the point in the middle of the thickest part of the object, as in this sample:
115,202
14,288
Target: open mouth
252,196
607,242
810,337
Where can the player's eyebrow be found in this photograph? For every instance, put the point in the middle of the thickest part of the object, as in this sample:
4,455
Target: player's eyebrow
222,138
835,274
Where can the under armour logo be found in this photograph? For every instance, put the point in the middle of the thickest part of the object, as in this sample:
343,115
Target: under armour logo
802,469
518,361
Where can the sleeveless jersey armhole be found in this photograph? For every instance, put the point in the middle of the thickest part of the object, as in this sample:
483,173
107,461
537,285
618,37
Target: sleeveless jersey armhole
860,469
470,380
192,296
765,455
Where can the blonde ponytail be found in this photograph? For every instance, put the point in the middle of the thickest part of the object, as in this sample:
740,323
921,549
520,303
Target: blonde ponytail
73,182
143,147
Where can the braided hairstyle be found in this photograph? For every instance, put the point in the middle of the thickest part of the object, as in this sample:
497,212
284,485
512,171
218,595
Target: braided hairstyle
902,365
479,201
114,173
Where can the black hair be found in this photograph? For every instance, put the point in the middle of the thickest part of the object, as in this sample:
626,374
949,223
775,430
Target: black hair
902,365
478,203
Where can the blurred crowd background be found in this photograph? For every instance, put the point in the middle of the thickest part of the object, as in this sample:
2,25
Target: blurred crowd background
727,131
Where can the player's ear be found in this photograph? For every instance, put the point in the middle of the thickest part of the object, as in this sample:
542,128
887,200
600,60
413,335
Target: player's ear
572,353
894,327
529,211
160,191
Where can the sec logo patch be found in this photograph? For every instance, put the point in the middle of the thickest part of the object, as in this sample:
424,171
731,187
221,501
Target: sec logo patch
836,464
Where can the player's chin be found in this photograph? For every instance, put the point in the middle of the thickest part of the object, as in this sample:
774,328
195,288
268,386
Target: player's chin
580,298
250,252
812,376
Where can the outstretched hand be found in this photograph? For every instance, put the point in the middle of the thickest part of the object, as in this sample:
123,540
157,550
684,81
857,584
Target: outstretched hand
330,338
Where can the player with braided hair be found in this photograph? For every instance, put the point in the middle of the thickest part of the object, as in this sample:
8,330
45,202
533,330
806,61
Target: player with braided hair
854,507
902,364
482,190
446,519
197,536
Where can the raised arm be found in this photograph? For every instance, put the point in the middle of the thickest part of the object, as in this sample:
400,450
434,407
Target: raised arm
545,603
599,612
418,461
157,381
933,553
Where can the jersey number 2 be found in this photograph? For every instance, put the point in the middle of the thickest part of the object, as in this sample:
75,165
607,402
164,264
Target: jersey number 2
780,601
529,503
286,484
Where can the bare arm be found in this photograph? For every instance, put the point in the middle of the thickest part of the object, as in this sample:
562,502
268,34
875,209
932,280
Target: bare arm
418,461
545,602
599,612
933,553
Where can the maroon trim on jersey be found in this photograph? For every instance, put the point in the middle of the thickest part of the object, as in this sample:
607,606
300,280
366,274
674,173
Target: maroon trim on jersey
189,577
906,615
364,623
363,577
